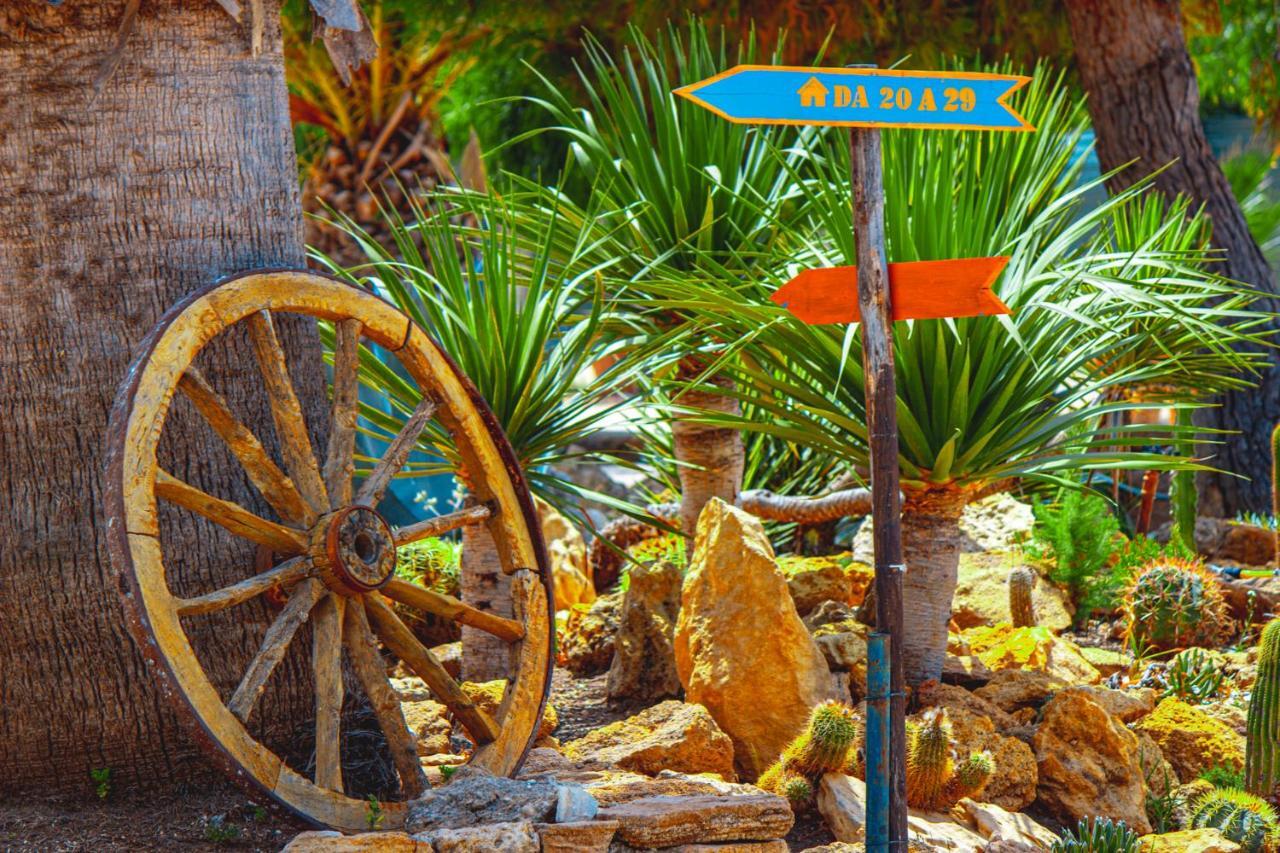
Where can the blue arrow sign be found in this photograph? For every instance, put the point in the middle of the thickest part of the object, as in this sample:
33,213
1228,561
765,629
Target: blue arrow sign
861,97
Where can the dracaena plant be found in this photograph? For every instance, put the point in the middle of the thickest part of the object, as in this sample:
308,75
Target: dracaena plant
705,198
1102,297
519,304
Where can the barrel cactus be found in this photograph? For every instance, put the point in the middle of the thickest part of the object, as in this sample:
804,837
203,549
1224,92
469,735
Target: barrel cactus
1245,819
1022,581
1262,749
825,746
1172,603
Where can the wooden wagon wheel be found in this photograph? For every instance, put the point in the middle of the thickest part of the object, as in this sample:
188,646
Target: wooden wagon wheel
340,552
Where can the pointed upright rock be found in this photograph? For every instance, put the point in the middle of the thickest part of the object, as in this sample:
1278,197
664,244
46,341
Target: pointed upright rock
741,649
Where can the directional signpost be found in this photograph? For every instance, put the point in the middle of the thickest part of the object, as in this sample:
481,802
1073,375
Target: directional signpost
876,293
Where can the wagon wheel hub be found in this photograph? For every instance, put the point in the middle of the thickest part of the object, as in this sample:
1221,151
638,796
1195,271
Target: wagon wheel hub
357,552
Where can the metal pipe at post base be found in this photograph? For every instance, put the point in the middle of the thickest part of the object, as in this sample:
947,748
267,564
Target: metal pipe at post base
877,742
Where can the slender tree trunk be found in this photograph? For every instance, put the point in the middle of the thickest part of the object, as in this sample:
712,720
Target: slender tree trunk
1145,105
113,205
711,458
931,540
484,585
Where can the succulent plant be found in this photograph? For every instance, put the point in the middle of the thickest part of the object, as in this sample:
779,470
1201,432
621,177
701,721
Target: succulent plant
1097,835
1240,816
1022,581
1173,603
1194,675
935,781
797,789
1262,748
1275,482
824,746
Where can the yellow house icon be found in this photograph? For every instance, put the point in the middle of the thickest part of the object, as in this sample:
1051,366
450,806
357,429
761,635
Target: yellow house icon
813,93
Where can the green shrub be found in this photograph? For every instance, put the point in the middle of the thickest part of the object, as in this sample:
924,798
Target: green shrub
1079,531
433,563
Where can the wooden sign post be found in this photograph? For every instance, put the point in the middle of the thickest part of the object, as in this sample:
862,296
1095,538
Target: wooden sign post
866,99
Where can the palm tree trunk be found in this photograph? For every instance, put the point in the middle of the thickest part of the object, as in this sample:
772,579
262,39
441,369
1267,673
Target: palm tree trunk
118,196
710,458
486,586
931,548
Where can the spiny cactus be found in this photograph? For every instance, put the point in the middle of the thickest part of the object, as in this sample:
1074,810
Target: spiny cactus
1173,603
935,782
1262,748
1275,484
1245,819
1022,581
797,789
971,776
1098,835
824,746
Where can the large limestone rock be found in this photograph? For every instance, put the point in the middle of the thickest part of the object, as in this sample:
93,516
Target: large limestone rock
474,796
331,841
813,580
1006,647
1009,828
669,736
591,836
982,593
1088,763
1192,740
644,658
842,802
429,721
1012,690
570,568
585,644
741,649
673,821
510,837
1013,785
1187,841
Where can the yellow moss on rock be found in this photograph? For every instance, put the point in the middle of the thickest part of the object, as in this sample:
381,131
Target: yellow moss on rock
1191,740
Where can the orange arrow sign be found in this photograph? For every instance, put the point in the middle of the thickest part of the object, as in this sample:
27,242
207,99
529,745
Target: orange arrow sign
919,290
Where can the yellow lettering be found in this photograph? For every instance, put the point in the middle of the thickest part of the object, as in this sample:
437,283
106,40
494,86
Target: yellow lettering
860,97
926,101
843,96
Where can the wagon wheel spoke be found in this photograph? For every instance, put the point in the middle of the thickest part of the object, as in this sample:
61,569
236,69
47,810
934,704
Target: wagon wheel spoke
363,652
326,669
231,516
441,524
372,489
272,483
286,573
286,411
339,460
274,645
448,607
401,641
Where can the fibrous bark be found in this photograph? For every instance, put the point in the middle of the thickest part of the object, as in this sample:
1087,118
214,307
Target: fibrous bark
710,457
1145,104
114,203
931,539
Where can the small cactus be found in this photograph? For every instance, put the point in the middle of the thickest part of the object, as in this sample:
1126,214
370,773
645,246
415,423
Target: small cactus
935,781
1243,818
971,776
825,746
797,789
1262,747
1021,610
1173,603
1275,485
